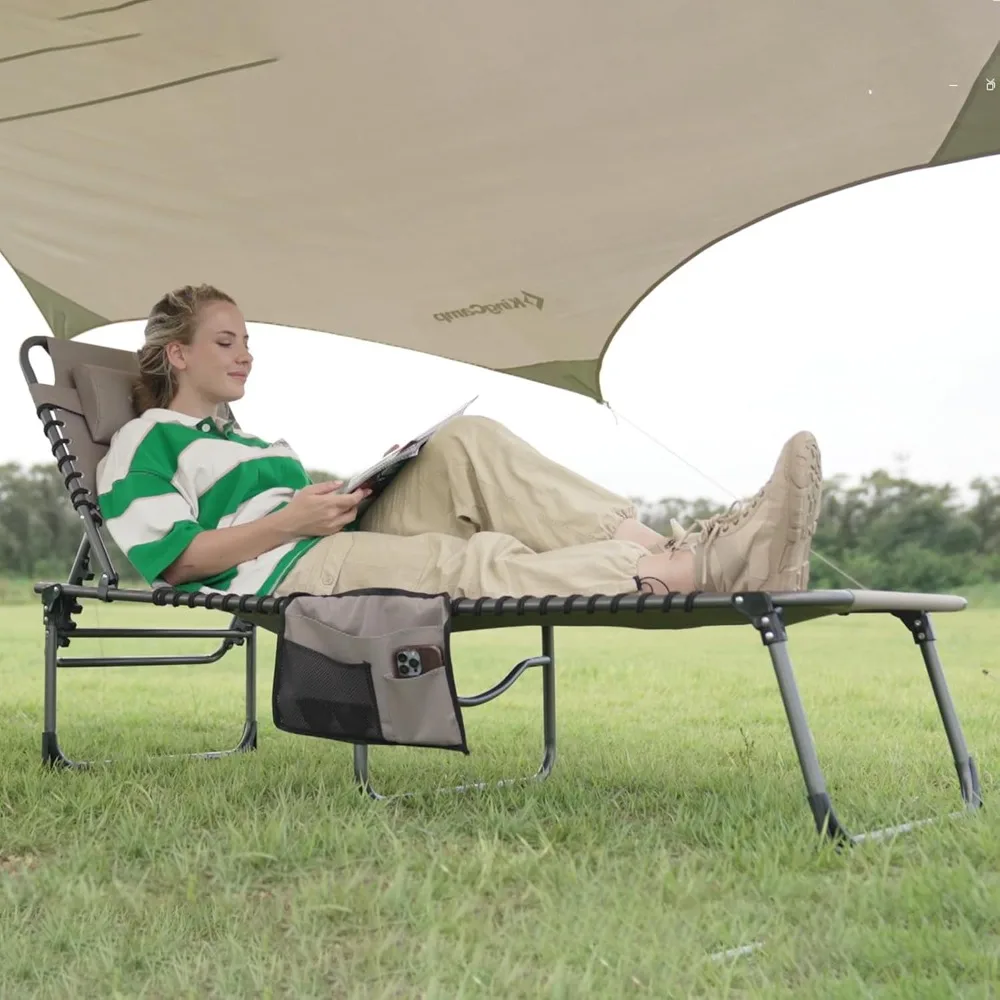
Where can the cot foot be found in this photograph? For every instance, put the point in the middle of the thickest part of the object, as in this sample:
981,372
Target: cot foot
52,755
766,619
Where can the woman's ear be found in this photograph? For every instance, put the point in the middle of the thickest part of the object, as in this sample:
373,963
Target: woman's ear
175,355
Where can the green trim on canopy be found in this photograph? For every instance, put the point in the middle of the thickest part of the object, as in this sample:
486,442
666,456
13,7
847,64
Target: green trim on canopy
575,376
976,131
65,318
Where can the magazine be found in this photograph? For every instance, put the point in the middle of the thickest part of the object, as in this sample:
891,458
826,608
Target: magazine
378,475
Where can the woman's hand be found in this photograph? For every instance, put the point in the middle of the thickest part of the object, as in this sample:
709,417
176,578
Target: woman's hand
320,510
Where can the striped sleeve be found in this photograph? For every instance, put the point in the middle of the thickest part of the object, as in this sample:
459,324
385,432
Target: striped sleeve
150,521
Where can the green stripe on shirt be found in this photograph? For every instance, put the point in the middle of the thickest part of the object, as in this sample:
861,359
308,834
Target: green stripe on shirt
152,558
136,486
164,463
246,481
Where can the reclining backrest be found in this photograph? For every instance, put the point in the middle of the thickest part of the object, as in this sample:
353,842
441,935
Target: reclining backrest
92,389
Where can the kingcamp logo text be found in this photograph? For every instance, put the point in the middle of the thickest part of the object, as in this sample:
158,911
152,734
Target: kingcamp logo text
522,301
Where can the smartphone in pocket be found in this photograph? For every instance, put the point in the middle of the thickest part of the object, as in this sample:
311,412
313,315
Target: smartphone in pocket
415,661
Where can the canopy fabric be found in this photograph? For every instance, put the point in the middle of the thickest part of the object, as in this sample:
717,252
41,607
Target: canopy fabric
495,183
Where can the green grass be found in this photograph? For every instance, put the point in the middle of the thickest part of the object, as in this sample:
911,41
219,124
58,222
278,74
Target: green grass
674,826
17,590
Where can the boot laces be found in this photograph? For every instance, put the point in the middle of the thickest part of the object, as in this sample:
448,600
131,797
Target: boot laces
709,529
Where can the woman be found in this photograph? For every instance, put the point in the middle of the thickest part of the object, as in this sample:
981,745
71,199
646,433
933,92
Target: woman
196,503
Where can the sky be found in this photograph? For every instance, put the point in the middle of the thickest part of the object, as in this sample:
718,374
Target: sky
869,316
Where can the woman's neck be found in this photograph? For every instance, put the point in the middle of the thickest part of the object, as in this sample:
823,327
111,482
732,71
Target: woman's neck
193,404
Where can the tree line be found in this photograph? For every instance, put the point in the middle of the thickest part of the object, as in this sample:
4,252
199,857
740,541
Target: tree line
886,531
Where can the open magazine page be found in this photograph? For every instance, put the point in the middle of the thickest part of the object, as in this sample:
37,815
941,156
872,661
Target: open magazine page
378,475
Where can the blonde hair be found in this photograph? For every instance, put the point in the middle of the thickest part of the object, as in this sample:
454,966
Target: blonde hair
173,318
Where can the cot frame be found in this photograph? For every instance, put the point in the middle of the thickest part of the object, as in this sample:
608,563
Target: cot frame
769,615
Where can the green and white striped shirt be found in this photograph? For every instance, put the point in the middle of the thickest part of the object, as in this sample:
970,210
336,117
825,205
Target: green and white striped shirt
168,476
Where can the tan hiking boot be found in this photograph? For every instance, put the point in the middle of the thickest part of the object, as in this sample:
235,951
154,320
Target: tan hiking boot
764,542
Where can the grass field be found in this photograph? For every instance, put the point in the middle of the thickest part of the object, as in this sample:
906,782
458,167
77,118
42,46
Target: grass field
674,827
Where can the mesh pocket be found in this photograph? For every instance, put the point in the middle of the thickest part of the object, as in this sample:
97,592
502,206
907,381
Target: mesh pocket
317,696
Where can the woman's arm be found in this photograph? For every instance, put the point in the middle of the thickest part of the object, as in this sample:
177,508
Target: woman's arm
314,510
216,550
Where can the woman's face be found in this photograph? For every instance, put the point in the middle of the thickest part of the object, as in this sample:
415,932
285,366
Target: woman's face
217,362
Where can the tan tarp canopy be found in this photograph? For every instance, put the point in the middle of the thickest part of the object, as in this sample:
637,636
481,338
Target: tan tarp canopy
498,183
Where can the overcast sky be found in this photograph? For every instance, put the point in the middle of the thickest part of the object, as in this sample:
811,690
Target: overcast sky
869,317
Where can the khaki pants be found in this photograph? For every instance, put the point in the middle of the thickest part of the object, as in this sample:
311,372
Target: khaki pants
479,513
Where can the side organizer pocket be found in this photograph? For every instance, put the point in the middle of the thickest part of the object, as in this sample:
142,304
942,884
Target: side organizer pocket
418,709
316,695
338,676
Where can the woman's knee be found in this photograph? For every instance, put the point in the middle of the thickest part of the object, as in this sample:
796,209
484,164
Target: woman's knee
472,423
466,429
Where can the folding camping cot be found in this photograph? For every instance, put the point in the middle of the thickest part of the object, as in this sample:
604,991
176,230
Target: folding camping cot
90,398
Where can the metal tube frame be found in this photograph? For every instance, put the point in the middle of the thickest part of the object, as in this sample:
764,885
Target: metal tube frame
756,608
59,608
767,619
547,661
60,602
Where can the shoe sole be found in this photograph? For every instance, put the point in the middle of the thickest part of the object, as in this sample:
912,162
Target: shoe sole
800,474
